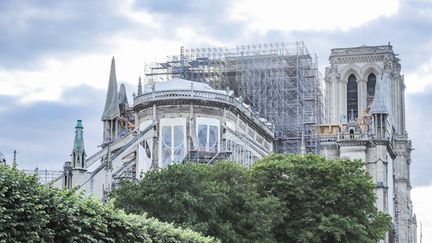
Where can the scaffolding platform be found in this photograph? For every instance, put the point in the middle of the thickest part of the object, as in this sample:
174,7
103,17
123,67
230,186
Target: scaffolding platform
279,80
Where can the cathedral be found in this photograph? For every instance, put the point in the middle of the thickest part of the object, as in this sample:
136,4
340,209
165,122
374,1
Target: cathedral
183,119
173,121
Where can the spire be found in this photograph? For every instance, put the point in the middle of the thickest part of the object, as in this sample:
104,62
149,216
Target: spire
139,86
2,159
380,107
14,163
421,232
79,140
381,97
78,151
122,97
111,109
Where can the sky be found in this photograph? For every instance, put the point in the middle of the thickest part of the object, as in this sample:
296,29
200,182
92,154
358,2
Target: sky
55,58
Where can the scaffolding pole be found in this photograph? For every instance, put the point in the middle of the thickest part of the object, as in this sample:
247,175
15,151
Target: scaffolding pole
279,80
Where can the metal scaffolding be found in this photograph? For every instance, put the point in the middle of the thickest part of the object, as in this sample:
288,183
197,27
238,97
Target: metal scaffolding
279,80
44,176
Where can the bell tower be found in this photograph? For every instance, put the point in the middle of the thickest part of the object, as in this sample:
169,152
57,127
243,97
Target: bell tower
364,95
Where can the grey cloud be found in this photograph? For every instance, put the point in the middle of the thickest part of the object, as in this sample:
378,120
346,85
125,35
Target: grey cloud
180,7
31,30
418,123
207,18
43,132
408,31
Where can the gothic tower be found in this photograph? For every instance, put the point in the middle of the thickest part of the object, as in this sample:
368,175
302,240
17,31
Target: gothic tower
76,170
140,90
111,113
365,119
78,151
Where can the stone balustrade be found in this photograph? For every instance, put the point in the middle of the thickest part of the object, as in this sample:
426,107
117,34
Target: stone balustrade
203,95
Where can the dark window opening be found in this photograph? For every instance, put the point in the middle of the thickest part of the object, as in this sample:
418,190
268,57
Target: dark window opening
351,132
371,88
352,100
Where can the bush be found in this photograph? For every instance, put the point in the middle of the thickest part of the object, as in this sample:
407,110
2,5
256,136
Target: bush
30,212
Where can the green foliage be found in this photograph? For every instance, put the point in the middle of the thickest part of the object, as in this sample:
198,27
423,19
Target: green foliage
30,212
216,200
324,200
285,198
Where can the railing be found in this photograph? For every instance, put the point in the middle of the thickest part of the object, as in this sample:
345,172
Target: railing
362,50
352,136
44,176
329,139
199,94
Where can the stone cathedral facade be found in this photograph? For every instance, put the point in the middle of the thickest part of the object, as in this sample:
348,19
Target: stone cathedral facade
180,120
365,119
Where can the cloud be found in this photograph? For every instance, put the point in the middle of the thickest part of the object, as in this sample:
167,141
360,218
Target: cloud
422,198
54,76
43,132
208,19
310,15
33,30
418,122
181,8
420,79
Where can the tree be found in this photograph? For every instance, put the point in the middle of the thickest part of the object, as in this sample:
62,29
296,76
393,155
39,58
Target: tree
217,200
30,212
285,198
324,200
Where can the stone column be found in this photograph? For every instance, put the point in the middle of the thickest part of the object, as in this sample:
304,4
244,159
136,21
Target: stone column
362,95
403,107
342,99
378,168
335,98
328,100
403,215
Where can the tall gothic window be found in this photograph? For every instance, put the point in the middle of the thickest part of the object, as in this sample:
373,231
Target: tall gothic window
208,137
352,100
173,147
371,88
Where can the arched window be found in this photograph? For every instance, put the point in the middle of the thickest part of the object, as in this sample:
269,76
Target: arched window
173,144
352,100
371,88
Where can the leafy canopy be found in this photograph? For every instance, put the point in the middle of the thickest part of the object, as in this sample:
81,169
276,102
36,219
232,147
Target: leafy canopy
285,198
217,200
324,200
30,212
